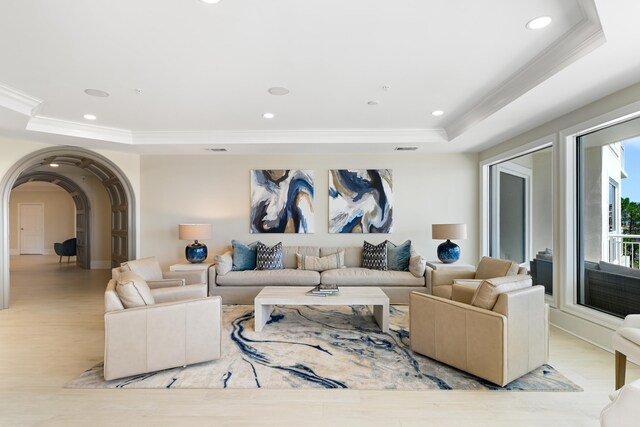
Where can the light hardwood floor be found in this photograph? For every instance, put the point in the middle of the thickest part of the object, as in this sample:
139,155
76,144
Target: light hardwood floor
54,330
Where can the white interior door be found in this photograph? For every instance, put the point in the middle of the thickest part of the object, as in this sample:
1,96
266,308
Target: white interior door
31,228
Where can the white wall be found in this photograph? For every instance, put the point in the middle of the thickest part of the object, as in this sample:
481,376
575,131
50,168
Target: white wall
215,189
542,201
59,213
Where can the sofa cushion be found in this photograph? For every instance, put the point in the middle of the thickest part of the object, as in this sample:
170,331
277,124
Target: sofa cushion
489,268
148,268
487,293
398,256
417,265
269,258
306,262
355,276
285,277
607,267
224,263
374,256
133,290
244,256
289,254
352,254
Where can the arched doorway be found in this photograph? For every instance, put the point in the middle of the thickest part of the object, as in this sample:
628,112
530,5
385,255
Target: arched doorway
115,182
83,229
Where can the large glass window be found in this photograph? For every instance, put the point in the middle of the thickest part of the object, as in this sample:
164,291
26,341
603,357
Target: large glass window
521,214
608,200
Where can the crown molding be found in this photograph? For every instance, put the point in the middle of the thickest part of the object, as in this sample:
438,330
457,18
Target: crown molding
80,130
581,39
18,101
396,136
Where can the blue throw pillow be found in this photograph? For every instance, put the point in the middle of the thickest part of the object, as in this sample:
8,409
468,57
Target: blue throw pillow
398,256
244,256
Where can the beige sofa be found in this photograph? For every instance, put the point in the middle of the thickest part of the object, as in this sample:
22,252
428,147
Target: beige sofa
182,326
241,287
501,336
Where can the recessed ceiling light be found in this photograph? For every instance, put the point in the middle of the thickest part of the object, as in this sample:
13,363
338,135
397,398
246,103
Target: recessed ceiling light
539,22
276,90
210,1
437,113
96,92
90,116
216,150
268,115
406,148
54,165
374,102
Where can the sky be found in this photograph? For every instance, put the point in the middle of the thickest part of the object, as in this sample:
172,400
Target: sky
631,185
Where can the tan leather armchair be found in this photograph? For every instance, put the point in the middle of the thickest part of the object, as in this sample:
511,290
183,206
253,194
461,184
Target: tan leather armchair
442,280
149,269
498,344
179,331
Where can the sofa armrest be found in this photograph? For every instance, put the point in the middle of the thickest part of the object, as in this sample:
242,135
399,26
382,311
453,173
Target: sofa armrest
191,277
463,336
212,279
179,293
165,283
161,336
441,281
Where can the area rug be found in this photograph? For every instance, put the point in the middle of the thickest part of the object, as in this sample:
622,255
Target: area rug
320,347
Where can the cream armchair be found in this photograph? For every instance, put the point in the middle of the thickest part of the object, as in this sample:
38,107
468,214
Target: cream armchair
150,270
442,281
501,336
169,327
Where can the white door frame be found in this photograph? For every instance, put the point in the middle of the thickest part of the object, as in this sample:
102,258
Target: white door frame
519,171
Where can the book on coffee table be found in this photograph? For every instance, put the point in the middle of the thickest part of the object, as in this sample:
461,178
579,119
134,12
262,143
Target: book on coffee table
324,290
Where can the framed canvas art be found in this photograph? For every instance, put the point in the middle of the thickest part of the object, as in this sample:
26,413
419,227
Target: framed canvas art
360,201
282,201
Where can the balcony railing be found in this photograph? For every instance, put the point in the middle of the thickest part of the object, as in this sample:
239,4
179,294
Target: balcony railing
624,249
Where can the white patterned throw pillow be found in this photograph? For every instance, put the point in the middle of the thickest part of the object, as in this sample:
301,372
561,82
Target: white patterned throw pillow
374,256
269,258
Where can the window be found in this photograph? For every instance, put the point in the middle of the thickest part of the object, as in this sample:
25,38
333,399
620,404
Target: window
607,198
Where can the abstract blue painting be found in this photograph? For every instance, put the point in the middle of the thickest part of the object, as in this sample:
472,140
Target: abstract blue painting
360,201
282,201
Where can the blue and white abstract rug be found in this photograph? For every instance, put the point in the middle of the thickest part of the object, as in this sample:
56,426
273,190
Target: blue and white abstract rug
320,347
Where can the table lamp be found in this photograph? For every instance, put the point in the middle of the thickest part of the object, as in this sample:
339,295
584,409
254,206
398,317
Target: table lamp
448,252
195,252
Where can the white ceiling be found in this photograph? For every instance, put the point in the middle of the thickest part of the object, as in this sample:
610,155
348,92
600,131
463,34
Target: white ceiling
204,71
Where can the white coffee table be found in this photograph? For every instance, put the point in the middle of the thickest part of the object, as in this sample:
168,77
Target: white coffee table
297,295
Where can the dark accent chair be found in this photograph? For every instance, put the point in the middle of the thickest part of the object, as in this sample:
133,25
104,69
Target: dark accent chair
66,248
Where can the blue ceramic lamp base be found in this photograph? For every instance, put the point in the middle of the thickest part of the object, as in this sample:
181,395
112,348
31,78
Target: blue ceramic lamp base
196,252
448,252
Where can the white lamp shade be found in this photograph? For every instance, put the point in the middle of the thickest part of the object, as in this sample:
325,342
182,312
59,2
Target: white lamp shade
194,231
449,231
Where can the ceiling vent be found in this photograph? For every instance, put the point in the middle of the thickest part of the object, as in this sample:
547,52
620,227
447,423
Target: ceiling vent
406,148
